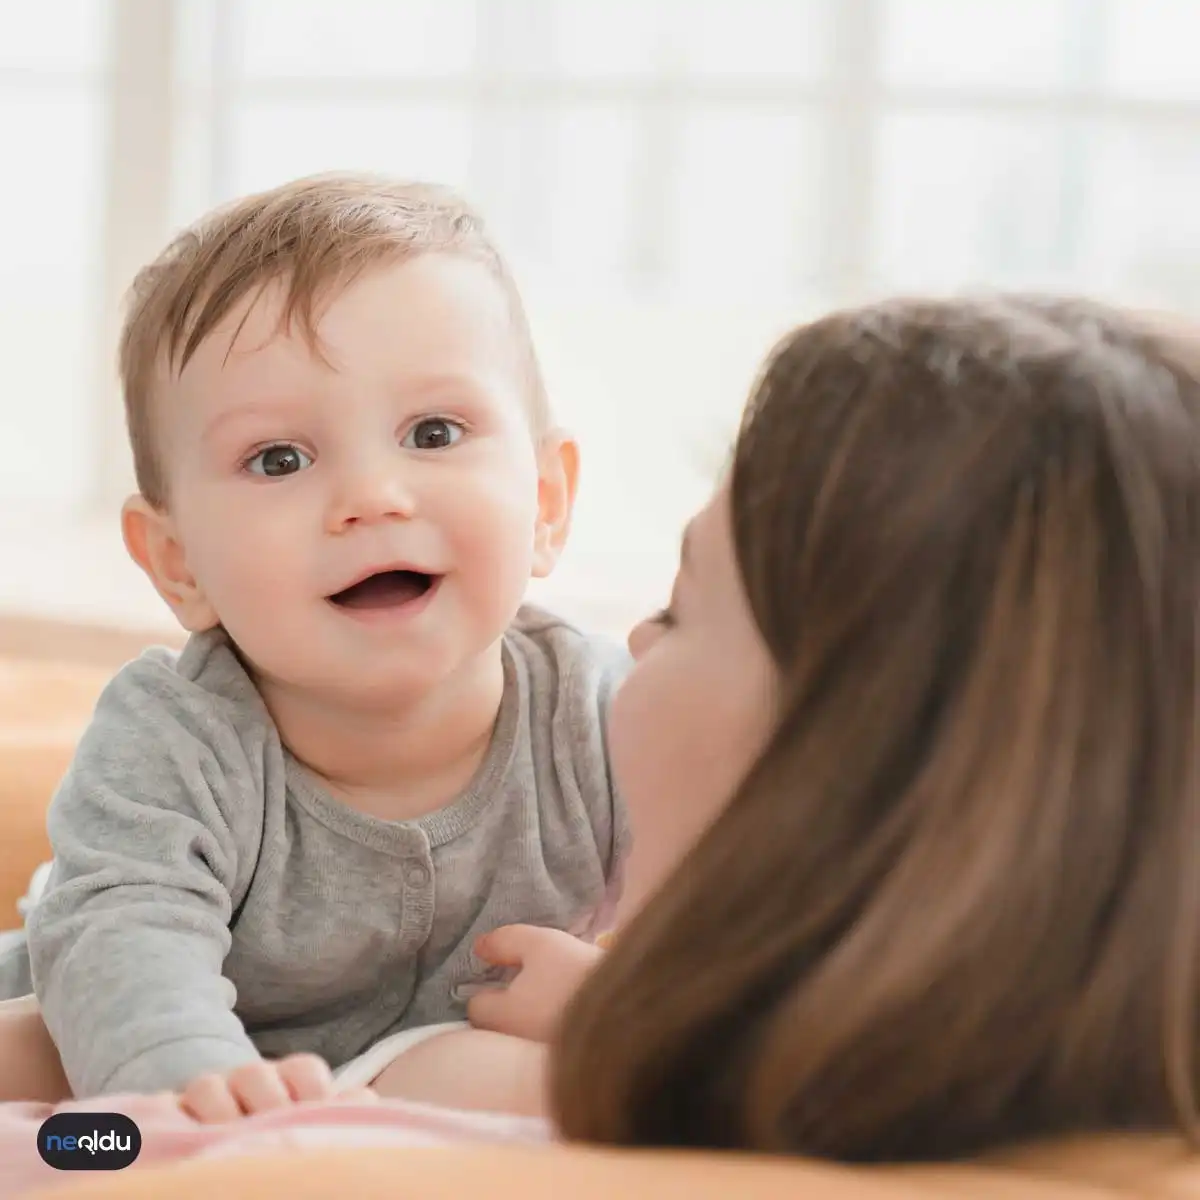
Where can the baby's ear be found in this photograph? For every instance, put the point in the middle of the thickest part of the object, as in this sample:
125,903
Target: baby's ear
152,542
558,480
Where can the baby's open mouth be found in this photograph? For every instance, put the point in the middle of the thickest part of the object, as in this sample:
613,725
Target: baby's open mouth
387,589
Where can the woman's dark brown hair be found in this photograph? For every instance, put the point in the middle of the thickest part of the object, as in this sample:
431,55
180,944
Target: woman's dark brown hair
956,903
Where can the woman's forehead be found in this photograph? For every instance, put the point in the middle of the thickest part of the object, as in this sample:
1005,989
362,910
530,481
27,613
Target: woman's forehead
708,532
707,559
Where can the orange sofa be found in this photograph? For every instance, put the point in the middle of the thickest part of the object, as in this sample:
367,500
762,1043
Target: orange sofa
1110,1170
49,680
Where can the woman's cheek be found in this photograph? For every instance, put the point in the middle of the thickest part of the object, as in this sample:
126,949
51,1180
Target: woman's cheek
622,734
649,749
642,739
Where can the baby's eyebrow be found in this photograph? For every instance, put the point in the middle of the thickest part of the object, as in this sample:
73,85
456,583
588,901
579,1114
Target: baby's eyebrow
444,381
243,412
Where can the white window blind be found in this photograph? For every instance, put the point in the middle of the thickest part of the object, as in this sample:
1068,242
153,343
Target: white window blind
675,182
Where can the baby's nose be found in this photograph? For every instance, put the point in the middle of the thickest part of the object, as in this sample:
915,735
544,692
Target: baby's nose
371,495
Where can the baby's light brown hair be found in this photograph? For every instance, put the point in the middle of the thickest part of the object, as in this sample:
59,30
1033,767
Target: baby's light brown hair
314,236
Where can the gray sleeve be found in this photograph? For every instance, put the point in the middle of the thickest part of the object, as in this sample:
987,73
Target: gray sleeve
128,943
594,669
14,965
590,670
614,666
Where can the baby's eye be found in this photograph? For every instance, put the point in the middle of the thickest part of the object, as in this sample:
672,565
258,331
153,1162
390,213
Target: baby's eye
432,433
277,461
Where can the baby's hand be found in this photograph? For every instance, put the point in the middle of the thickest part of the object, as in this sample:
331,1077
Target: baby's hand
551,965
258,1087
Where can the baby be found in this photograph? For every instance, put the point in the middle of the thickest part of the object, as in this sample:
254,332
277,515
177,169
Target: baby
287,837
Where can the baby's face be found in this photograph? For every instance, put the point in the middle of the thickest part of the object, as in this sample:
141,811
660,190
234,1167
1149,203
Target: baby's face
362,519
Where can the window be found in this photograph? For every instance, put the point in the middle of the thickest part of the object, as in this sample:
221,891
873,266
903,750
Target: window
675,182
52,81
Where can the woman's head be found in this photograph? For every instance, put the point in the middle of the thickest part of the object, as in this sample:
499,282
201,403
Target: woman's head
921,780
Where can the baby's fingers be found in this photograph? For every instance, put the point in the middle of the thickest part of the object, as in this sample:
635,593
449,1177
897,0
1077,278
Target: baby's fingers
306,1077
494,1009
209,1100
507,946
259,1087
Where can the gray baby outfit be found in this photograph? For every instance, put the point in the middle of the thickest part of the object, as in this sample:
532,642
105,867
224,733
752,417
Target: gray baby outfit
210,902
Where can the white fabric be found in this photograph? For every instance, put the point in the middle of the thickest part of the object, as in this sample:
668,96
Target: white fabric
37,885
367,1067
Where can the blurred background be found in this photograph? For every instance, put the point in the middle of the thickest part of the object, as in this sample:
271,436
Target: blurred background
675,182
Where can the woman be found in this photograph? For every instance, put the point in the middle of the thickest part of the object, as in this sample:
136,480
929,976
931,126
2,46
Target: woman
941,894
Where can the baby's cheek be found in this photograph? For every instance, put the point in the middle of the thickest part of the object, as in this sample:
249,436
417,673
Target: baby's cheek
492,574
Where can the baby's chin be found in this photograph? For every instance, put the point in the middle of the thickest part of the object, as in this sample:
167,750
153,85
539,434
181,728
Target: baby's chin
366,686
